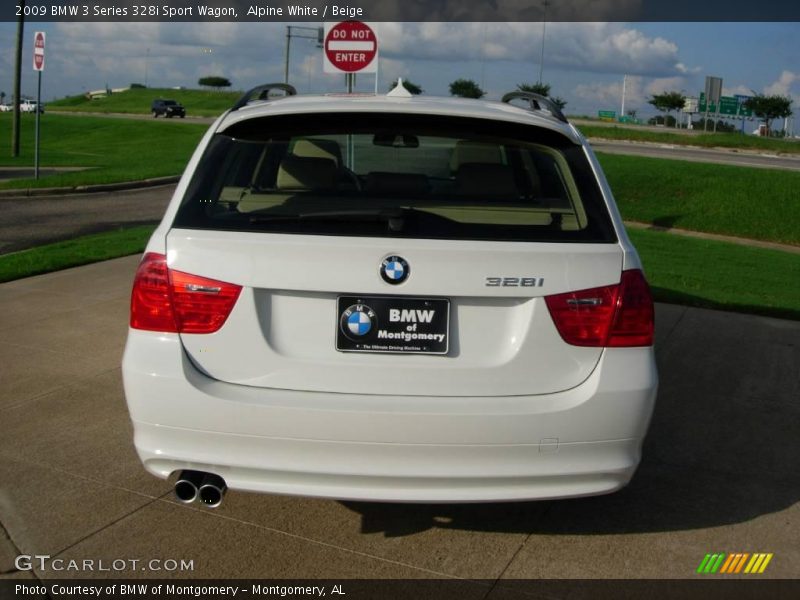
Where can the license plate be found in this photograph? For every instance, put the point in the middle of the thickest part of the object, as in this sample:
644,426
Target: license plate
392,324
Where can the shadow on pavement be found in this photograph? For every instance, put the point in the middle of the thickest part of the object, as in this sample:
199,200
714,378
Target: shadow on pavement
722,446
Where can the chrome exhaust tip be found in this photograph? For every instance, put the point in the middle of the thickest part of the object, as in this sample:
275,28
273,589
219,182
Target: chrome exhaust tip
187,486
212,490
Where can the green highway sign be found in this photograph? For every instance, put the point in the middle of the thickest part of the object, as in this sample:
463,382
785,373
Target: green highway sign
728,105
607,114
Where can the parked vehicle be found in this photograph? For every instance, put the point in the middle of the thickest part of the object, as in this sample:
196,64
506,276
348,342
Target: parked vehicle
30,106
167,108
391,298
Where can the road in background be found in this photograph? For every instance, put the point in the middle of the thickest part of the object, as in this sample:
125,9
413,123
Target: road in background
194,119
29,222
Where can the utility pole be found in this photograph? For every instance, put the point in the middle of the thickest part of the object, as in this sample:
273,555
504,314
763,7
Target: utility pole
17,80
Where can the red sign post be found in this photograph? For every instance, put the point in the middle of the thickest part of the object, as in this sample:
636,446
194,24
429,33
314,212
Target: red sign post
350,47
38,65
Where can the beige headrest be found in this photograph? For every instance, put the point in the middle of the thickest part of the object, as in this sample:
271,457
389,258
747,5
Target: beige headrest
466,151
317,148
486,179
306,173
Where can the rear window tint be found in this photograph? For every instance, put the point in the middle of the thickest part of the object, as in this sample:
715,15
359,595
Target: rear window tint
396,176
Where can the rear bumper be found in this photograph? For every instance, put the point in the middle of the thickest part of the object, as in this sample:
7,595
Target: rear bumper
580,442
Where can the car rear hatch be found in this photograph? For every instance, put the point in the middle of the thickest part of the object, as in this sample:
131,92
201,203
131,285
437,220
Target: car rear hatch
400,257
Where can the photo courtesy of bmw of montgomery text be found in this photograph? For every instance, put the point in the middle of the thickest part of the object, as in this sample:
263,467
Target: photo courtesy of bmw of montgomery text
391,298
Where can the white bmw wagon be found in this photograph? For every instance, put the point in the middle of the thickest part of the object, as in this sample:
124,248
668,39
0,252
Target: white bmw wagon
391,298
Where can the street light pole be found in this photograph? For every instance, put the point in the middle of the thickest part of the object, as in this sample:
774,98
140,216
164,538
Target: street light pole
289,35
286,54
544,31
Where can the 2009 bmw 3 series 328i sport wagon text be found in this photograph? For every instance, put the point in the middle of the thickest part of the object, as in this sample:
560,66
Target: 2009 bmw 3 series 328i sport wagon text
391,298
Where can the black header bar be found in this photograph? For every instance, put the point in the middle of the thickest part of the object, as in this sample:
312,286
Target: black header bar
316,11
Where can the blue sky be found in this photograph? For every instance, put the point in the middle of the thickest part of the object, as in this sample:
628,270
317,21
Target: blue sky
584,62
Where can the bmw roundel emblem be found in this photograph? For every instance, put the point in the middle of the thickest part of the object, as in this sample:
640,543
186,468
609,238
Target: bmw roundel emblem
394,269
357,321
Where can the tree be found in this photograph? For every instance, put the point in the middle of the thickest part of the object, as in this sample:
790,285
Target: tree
214,81
768,108
543,89
412,87
137,86
668,101
466,88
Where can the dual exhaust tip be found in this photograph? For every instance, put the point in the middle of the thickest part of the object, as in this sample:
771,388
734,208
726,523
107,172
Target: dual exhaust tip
209,488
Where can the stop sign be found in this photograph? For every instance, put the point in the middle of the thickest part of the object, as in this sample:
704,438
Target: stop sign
350,47
38,51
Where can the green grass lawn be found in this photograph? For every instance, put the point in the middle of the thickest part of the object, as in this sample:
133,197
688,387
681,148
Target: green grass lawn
720,275
762,204
206,103
113,149
73,253
704,140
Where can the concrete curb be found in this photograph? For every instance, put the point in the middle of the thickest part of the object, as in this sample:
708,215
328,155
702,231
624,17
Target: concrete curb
89,189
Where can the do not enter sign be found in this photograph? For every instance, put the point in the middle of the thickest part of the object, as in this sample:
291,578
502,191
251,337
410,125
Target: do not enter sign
350,47
38,51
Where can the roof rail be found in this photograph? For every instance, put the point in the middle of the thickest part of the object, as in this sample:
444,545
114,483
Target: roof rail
537,102
263,93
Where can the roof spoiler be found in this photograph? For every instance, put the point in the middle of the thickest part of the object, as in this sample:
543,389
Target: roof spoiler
262,93
536,102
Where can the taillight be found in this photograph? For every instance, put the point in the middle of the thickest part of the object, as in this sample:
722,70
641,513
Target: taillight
634,321
201,305
177,302
151,305
614,316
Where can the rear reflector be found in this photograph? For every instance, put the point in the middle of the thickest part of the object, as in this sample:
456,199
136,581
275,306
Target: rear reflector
176,302
618,315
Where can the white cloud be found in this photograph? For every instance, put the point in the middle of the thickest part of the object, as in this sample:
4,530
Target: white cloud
605,94
741,90
682,68
787,82
665,84
593,47
638,90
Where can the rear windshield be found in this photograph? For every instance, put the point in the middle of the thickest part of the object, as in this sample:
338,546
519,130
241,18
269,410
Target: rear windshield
396,176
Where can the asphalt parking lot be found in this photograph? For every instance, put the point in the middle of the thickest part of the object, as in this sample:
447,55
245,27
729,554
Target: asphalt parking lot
720,474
